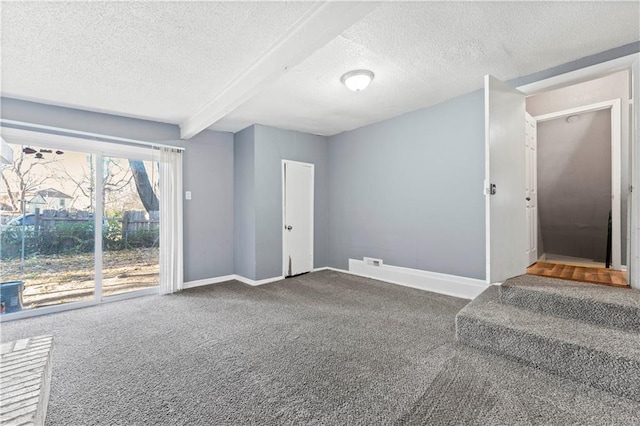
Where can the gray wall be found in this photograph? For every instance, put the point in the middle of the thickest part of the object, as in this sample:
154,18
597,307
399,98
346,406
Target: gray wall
574,185
409,190
208,173
273,145
244,205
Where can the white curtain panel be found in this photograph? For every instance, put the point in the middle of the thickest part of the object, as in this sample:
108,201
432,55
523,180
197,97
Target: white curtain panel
171,263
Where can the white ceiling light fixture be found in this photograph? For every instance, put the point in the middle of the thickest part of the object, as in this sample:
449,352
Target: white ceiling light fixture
357,80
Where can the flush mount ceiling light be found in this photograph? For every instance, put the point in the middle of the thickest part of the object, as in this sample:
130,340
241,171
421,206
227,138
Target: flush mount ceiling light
573,118
357,80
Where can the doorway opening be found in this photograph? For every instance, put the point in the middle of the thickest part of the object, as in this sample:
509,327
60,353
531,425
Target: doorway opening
580,229
507,254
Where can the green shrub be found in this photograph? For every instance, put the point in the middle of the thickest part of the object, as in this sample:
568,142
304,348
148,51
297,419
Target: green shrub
11,242
67,237
142,238
112,235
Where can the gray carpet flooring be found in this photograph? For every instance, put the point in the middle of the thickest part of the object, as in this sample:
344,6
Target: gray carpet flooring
598,304
323,348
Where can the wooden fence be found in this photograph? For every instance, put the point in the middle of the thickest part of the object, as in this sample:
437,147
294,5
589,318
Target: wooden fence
131,221
136,220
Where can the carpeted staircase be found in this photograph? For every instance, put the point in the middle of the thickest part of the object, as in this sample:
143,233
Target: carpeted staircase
586,332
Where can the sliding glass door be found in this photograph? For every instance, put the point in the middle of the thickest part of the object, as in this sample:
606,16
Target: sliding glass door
78,226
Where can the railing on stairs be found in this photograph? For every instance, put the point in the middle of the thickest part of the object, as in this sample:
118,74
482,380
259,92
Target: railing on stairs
609,228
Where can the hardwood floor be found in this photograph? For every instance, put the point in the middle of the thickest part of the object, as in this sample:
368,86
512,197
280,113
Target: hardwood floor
579,273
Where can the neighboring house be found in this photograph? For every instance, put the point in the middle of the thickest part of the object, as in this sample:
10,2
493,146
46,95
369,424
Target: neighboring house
48,199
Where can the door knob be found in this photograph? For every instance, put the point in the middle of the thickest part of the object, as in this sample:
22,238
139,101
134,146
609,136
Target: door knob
289,228
528,199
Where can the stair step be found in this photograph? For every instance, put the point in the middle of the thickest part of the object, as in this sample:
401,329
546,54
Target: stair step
602,305
602,357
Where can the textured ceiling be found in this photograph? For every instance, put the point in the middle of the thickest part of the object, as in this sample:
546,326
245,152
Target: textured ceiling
164,60
424,52
157,60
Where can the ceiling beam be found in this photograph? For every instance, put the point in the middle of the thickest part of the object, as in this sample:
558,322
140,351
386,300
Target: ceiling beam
316,28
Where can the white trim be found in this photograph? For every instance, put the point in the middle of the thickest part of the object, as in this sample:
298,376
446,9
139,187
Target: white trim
208,281
72,143
487,182
451,285
236,277
616,164
284,214
84,134
329,268
63,307
152,291
633,256
46,310
578,110
97,226
321,24
580,75
284,210
344,271
255,283
616,175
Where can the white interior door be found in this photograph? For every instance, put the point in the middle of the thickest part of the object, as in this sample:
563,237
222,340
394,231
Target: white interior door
531,188
297,217
505,171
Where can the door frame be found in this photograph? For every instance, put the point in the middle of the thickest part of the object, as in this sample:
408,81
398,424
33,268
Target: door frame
628,63
616,163
284,193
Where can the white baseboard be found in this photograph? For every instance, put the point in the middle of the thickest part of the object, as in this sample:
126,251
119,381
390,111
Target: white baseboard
451,285
258,282
329,268
225,278
207,281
